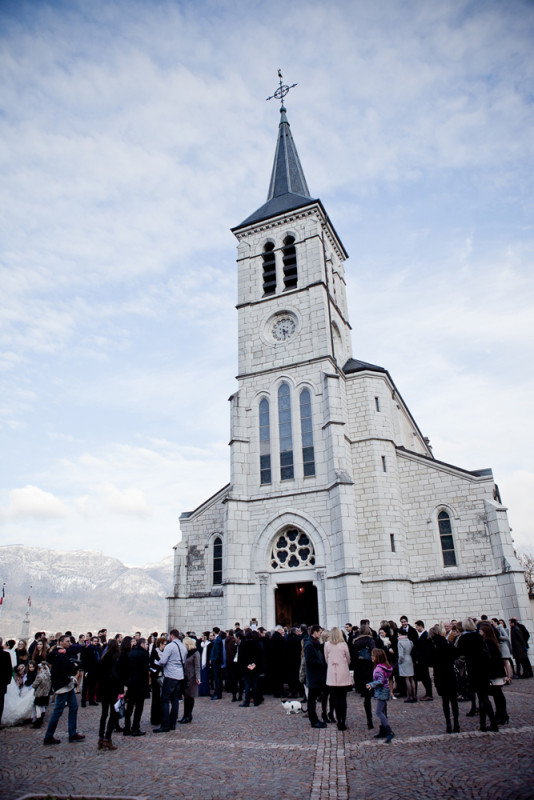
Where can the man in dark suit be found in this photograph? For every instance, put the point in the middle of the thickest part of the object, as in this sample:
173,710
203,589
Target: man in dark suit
137,667
218,662
410,631
315,672
6,674
421,658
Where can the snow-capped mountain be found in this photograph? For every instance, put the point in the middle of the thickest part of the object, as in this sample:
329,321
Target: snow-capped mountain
80,591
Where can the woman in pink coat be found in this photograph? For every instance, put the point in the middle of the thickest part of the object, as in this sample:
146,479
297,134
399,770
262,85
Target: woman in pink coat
338,678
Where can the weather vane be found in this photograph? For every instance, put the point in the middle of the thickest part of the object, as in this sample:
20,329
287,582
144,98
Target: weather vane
282,90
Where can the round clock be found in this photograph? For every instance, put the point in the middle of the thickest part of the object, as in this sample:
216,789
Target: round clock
283,329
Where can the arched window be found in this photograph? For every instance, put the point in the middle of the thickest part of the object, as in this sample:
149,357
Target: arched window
269,269
447,542
292,549
290,263
306,428
265,442
286,434
217,561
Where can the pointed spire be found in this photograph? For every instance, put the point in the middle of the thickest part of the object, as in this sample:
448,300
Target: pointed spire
288,188
287,175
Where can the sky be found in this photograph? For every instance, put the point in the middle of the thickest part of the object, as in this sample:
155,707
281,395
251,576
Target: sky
133,136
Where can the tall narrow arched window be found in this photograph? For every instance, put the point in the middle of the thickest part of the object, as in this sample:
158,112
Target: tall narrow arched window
306,428
447,542
269,269
290,263
217,561
265,442
286,433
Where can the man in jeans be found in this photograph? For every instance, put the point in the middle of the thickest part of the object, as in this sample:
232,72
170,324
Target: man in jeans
64,668
172,660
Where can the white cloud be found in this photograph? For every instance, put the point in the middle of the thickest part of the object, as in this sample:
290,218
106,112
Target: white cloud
33,502
130,501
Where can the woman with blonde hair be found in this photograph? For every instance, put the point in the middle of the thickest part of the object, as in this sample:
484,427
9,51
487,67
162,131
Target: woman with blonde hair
338,681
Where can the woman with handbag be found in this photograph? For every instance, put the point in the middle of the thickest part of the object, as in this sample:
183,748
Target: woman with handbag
191,679
497,672
156,680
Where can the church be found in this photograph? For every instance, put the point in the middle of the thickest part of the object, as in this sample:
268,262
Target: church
336,508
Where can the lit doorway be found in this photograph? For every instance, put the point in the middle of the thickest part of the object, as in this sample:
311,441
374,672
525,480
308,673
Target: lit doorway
296,603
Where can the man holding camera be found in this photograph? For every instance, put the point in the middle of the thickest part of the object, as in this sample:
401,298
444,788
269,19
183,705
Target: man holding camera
64,667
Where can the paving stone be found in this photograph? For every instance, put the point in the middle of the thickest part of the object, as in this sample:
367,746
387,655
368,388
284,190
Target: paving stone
232,753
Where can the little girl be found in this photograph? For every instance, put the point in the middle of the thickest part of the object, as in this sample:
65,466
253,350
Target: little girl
380,683
42,686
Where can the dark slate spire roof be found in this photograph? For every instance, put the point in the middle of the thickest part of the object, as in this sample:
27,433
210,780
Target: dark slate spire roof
288,188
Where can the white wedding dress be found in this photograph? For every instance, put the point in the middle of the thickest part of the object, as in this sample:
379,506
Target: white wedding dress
18,704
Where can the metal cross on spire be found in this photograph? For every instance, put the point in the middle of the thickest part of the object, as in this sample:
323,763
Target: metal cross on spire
282,90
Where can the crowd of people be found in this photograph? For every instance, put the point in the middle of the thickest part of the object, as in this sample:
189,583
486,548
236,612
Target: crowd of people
469,660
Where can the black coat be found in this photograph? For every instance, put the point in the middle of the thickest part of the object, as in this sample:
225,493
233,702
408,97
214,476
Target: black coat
6,670
248,653
442,656
137,671
472,647
277,655
363,665
90,658
421,653
109,683
315,663
63,668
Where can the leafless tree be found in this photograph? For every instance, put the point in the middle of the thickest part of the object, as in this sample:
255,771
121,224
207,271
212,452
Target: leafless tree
527,562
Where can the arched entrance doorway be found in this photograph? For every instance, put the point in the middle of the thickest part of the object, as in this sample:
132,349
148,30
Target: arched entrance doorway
296,603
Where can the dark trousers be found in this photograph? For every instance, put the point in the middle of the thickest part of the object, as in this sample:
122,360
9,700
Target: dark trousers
367,705
89,687
170,695
134,705
155,704
449,701
523,667
251,687
338,695
423,675
485,708
189,704
232,678
108,707
313,696
500,703
217,679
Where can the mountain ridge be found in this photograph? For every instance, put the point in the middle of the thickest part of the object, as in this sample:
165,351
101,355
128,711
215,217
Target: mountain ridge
80,590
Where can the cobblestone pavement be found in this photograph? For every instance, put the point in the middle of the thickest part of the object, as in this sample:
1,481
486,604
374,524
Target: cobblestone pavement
232,753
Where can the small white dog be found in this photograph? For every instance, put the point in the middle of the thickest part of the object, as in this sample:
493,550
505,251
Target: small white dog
292,706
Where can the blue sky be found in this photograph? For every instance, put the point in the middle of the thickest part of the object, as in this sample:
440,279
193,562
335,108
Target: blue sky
135,134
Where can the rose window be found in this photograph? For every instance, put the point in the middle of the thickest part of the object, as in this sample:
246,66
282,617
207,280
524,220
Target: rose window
292,549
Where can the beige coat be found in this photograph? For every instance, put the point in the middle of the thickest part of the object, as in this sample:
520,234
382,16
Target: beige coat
337,658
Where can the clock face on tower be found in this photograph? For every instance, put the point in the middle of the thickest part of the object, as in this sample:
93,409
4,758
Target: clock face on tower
283,329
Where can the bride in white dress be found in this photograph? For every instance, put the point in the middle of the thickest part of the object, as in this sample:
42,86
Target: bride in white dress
19,700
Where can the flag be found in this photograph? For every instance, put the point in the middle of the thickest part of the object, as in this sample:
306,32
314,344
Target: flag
29,601
3,595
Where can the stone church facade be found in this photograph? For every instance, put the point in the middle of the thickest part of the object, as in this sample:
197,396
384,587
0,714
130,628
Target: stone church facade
336,507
